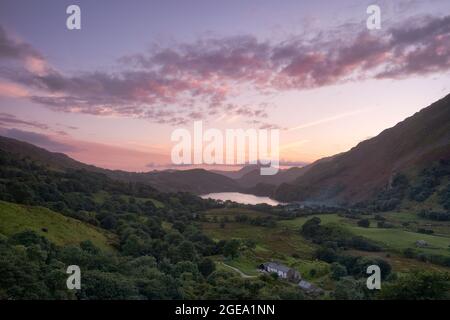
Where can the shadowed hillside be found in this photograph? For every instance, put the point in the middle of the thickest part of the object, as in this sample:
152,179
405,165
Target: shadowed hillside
197,181
360,173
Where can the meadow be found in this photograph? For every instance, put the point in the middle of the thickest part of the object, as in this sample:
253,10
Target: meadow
397,238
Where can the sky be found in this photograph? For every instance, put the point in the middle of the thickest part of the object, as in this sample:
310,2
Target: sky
112,93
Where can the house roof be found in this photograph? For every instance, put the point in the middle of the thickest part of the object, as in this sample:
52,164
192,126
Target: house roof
305,285
276,266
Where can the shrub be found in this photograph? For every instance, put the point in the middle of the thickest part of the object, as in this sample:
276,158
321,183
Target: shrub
365,223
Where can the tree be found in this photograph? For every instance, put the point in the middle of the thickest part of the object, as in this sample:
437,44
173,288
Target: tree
311,227
109,222
250,243
350,289
206,267
365,223
418,285
231,248
338,271
186,251
361,264
21,192
326,254
104,286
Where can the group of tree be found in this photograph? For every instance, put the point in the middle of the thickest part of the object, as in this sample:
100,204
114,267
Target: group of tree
335,236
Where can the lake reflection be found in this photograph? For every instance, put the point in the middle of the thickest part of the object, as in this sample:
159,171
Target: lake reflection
240,198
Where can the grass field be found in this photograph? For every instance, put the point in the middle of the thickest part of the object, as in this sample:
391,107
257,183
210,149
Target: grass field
415,222
398,262
399,240
297,223
396,239
61,230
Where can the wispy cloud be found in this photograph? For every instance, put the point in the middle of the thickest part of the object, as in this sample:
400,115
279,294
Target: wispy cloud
328,119
11,121
294,144
12,90
7,119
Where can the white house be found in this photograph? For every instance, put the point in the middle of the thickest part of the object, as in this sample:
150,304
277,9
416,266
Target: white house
281,270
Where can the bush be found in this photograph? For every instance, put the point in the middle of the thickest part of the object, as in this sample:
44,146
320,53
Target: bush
425,231
326,254
365,223
362,243
419,285
338,271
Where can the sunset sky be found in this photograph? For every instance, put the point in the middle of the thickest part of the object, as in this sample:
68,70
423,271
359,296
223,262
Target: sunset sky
111,93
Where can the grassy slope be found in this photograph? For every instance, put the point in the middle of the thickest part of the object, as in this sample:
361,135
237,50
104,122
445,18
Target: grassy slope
61,230
393,238
296,224
399,239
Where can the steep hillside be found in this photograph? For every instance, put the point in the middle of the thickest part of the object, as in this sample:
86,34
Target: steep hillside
53,160
366,169
60,230
254,177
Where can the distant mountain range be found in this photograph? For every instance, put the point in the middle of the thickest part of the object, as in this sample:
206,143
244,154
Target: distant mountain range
197,181
346,178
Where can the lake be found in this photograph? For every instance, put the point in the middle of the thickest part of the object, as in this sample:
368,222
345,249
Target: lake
240,198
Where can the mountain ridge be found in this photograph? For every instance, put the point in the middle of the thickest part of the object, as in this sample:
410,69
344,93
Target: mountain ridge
197,181
358,174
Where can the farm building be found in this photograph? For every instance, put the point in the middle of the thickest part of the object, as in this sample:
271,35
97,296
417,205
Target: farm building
281,270
308,287
421,243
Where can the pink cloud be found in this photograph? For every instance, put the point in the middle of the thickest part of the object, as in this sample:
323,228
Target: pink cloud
12,90
187,81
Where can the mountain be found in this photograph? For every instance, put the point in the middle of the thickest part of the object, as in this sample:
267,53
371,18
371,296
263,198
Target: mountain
54,160
250,180
238,173
254,177
197,181
365,170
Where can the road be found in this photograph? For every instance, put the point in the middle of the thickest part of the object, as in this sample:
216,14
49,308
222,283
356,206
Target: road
243,275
